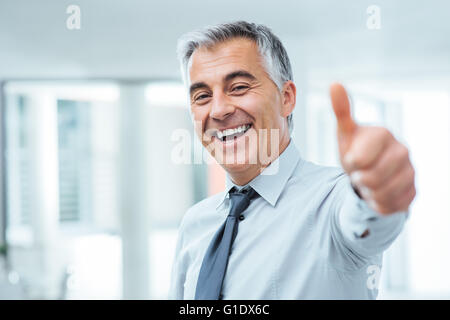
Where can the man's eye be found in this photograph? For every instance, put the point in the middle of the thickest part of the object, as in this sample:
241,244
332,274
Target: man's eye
239,88
201,97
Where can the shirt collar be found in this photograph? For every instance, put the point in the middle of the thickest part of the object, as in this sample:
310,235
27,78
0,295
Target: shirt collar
272,180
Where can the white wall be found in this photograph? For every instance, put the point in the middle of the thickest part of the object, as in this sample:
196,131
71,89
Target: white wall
138,39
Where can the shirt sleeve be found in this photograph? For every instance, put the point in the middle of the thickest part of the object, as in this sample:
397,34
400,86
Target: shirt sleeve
361,230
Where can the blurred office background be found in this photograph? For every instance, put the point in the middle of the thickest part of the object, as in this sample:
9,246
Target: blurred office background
91,197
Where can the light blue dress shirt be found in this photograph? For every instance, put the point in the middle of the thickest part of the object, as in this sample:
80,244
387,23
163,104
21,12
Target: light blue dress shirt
302,239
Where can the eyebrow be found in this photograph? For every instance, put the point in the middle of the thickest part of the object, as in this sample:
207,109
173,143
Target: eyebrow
237,74
197,85
227,78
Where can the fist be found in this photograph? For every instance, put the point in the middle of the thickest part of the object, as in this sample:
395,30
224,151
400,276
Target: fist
378,165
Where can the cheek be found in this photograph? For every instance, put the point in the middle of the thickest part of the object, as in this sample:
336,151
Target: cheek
268,117
199,115
251,104
197,124
272,113
262,108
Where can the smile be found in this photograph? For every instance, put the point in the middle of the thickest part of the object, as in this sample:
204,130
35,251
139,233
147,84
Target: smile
230,134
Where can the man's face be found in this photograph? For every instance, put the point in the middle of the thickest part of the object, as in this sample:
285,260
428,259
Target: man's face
233,102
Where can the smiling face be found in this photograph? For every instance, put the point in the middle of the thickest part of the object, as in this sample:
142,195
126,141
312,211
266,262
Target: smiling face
234,103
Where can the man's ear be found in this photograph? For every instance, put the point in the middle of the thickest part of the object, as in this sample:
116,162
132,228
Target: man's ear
289,95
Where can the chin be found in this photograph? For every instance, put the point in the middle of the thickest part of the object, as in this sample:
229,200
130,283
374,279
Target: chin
241,173
236,167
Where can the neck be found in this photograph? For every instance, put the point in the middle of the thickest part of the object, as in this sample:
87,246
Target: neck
244,177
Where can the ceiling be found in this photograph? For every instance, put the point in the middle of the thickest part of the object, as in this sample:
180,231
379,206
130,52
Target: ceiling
137,39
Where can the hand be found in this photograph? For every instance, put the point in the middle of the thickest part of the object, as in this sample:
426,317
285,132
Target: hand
378,165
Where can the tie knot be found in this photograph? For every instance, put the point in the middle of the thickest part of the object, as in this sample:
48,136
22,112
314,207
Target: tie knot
240,200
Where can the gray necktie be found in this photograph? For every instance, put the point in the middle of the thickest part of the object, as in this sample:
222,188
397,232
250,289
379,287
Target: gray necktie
214,265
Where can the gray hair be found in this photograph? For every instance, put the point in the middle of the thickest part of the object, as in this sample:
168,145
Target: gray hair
275,57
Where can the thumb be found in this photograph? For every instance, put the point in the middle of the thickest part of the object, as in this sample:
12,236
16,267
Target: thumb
341,107
346,125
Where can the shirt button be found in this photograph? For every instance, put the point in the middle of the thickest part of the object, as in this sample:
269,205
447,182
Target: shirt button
241,217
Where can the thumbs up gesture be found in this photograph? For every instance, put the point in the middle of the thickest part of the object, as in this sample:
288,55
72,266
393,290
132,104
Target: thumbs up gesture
378,165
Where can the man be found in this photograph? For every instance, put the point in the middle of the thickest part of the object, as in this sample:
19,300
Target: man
284,228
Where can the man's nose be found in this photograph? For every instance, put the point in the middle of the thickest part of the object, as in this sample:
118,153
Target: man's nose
221,108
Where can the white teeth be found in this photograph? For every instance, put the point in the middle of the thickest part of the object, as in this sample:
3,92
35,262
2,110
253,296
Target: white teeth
228,132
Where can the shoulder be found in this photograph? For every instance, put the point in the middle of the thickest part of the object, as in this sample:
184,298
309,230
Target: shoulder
209,203
316,184
311,174
201,210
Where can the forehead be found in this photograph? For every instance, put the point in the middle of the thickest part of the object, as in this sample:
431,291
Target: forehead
224,57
